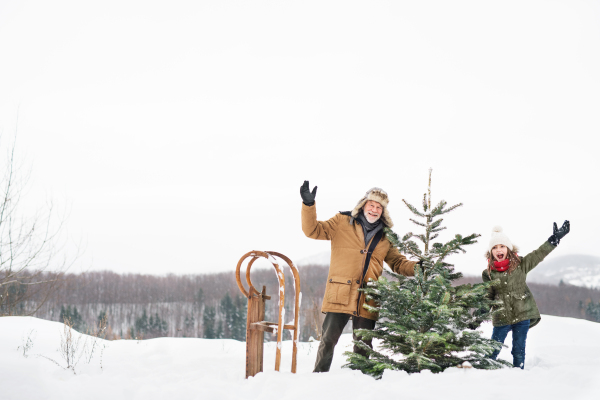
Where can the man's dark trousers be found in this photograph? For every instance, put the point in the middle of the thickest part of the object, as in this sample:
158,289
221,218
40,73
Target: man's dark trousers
332,330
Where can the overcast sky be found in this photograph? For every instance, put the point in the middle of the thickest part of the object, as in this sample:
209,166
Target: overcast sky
177,134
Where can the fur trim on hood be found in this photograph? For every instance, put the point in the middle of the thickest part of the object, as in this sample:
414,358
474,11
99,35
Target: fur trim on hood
380,196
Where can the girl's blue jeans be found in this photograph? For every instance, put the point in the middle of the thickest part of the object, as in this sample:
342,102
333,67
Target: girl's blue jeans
519,336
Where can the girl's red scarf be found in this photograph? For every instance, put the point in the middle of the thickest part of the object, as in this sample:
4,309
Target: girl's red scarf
501,266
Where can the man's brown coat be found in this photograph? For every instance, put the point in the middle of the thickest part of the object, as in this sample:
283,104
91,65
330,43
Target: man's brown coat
348,255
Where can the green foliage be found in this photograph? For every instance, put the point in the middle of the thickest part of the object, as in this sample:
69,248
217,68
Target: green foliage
234,317
425,322
229,321
101,317
199,298
141,323
151,327
219,332
189,324
72,315
208,321
592,311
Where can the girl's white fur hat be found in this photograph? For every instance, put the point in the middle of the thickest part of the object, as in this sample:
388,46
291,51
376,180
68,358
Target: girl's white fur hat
380,196
499,237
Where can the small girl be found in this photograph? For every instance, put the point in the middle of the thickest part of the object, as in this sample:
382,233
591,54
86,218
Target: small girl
520,311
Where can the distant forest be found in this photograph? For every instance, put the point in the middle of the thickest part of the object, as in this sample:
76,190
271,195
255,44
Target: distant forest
212,306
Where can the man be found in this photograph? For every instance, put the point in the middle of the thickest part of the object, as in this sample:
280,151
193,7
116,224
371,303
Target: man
358,250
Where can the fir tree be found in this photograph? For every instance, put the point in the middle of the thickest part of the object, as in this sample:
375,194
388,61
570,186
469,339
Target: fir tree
592,311
73,316
64,313
151,327
142,324
158,326
228,313
101,317
208,320
199,299
425,322
238,330
219,333
234,317
188,325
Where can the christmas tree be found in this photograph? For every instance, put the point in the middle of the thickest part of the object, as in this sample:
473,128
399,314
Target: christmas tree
425,322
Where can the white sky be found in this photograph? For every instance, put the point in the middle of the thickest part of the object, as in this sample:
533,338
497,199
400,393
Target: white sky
178,133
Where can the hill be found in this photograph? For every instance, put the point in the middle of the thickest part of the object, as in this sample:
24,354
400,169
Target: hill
148,306
572,269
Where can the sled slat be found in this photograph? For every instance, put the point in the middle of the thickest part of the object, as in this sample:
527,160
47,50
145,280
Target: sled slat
259,326
265,326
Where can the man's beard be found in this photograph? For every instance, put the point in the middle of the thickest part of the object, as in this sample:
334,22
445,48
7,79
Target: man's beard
370,219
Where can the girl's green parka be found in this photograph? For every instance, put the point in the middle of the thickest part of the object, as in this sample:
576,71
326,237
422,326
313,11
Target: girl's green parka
519,303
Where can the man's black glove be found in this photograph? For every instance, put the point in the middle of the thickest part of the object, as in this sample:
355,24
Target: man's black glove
308,197
558,234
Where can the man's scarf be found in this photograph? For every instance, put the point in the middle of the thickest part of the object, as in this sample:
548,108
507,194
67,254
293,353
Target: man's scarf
369,229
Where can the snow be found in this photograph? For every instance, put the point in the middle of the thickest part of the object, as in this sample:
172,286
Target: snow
563,361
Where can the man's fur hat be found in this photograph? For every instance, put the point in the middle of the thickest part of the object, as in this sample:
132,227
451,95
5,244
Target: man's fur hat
380,196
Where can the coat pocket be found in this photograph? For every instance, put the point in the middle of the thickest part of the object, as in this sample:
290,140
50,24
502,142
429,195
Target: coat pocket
338,290
521,296
521,303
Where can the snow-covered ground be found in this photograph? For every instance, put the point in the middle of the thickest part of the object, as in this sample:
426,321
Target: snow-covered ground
563,362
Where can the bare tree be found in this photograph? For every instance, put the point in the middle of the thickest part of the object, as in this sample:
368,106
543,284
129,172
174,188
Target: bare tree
31,265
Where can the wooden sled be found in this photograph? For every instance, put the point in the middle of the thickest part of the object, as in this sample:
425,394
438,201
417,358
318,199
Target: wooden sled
256,326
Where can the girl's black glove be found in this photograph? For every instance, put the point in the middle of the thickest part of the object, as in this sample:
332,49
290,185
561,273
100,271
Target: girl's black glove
558,234
308,197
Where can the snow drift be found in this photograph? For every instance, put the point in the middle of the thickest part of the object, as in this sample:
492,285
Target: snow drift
563,361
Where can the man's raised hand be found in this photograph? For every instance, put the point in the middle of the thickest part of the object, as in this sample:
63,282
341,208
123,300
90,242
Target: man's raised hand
308,197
